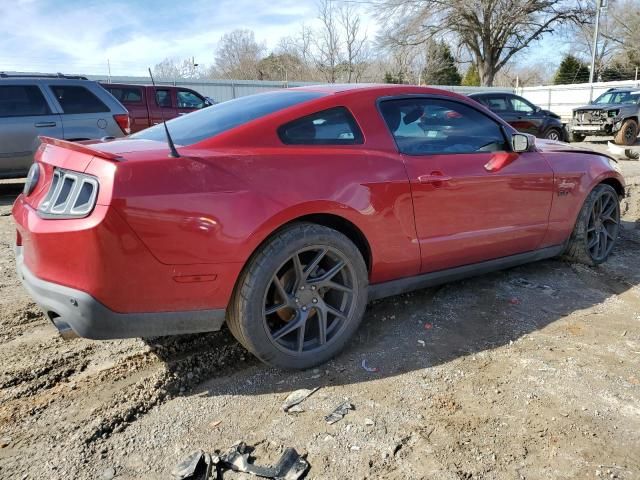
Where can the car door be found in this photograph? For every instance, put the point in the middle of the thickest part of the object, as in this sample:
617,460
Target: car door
162,106
525,117
84,115
188,101
24,115
466,209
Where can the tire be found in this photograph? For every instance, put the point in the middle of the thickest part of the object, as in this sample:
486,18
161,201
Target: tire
577,137
628,133
553,134
603,199
279,308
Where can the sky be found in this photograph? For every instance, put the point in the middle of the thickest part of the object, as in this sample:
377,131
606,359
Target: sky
80,36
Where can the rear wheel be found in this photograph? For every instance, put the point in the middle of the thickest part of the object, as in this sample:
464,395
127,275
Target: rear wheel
628,133
577,137
596,230
300,298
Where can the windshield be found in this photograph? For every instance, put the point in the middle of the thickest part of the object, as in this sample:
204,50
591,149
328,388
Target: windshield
219,118
618,98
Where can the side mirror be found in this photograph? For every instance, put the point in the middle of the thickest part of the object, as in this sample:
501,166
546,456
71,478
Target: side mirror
519,142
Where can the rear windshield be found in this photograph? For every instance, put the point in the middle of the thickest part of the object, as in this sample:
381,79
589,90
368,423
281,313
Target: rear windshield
219,118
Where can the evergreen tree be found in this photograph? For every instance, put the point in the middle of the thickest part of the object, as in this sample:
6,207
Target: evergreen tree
571,70
472,77
441,66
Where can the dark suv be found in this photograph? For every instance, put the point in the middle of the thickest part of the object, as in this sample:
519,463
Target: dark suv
523,115
615,112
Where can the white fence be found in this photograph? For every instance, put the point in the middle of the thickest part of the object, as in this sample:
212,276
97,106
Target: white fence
560,99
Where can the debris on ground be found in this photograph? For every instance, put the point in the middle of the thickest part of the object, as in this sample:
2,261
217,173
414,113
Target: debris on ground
422,343
290,466
428,326
199,465
368,368
339,413
522,282
623,153
195,466
295,398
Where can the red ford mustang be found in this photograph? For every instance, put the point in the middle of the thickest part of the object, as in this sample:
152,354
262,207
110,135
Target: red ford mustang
284,213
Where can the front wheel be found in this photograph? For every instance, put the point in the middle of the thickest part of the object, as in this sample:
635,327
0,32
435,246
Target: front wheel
596,230
628,133
577,137
300,298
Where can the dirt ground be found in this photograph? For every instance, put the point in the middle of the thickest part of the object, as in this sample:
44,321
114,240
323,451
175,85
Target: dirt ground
531,373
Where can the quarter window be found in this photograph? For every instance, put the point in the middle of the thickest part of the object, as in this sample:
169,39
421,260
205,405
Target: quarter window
428,126
75,99
335,126
22,101
163,98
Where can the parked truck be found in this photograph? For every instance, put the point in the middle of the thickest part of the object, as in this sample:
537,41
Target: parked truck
149,105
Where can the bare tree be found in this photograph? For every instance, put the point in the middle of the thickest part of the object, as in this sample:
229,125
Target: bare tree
355,41
625,16
328,42
172,69
300,46
238,55
491,31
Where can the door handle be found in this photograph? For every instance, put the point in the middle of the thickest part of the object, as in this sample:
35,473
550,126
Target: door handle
44,124
434,177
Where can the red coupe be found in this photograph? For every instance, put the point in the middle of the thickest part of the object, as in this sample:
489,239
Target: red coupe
284,213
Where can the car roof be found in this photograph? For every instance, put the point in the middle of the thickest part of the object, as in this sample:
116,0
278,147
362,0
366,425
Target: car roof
492,92
622,90
382,88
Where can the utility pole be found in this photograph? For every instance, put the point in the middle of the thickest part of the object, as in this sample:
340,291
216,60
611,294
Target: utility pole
594,49
109,70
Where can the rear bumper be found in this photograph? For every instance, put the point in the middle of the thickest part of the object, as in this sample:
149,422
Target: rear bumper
76,313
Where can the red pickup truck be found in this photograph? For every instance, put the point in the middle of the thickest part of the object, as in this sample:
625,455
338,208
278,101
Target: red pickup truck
148,104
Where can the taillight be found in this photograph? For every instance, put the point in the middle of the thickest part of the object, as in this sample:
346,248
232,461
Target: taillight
123,122
70,195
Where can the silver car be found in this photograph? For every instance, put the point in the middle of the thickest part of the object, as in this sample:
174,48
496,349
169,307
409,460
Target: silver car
59,106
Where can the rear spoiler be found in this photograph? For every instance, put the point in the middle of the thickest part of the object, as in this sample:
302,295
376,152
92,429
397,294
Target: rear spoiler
79,147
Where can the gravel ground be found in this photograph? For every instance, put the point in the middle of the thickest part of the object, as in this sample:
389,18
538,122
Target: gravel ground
531,373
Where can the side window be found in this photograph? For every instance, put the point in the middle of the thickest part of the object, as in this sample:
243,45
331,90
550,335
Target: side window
163,98
497,104
187,99
74,99
335,126
520,105
126,94
22,101
428,126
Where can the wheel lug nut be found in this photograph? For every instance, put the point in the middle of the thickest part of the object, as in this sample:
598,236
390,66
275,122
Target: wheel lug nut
304,308
297,300
313,287
315,300
302,287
